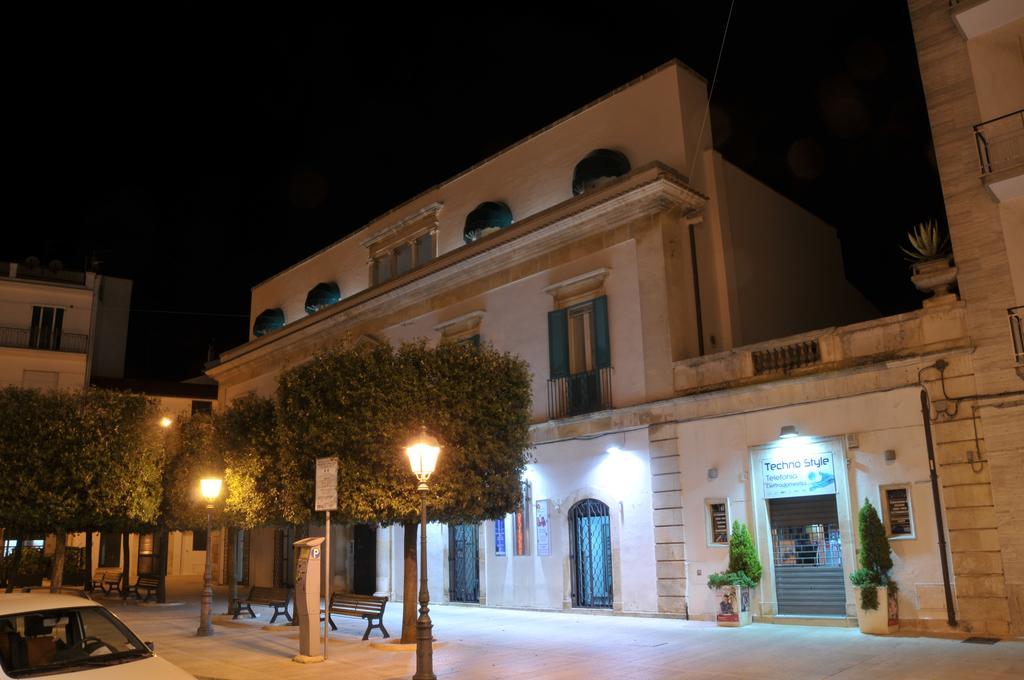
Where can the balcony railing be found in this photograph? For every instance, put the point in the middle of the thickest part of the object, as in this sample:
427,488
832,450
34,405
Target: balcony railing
76,343
786,357
580,393
1017,333
1000,142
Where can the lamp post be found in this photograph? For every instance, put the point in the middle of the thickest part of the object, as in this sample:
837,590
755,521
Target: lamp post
210,489
422,452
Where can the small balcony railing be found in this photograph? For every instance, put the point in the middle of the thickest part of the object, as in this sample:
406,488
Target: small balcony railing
1017,333
786,357
76,343
580,393
1000,142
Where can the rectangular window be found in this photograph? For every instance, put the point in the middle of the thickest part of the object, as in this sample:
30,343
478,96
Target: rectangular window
499,538
110,550
382,268
581,339
424,249
716,520
403,259
897,511
203,407
199,540
521,521
47,324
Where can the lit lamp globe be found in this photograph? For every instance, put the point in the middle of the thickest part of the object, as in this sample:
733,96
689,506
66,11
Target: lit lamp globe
422,452
210,488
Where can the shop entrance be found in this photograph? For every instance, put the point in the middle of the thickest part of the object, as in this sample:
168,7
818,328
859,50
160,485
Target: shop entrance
807,553
464,569
591,554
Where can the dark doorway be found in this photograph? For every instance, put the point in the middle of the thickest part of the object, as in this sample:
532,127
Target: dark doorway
364,577
464,565
591,545
807,552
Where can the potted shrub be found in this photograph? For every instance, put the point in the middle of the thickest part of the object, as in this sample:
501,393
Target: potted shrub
732,588
931,265
877,609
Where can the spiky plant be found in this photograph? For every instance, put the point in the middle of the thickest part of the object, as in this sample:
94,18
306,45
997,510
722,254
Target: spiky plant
927,242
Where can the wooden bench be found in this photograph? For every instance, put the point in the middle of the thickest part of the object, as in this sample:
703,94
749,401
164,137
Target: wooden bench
278,598
150,584
106,581
367,607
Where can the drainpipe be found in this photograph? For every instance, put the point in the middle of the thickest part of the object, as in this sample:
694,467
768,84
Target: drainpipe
926,419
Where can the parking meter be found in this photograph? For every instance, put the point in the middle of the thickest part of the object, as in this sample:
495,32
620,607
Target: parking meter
307,594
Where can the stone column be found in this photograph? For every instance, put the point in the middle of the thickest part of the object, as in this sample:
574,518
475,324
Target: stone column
384,562
669,537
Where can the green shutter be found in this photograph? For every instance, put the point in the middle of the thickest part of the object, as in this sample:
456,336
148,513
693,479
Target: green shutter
558,343
602,345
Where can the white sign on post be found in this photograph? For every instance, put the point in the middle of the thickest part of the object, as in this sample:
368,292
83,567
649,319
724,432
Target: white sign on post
326,484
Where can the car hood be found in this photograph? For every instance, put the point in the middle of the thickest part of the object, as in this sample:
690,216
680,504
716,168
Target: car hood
150,668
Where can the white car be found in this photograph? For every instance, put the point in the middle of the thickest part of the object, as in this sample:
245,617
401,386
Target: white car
43,635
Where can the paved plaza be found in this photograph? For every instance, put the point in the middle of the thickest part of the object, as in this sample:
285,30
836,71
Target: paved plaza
480,643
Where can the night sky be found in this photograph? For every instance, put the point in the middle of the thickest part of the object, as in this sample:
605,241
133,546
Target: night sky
198,151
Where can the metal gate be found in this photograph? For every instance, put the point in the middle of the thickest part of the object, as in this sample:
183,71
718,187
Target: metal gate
464,566
807,553
591,554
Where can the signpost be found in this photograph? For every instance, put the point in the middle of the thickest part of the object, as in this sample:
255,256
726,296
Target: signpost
327,500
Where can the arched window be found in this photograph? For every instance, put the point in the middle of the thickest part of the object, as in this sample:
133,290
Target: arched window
598,167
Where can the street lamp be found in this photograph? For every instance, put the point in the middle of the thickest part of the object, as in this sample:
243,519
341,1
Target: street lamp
210,489
422,452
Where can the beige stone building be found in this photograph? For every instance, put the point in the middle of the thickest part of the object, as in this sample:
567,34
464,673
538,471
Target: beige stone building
971,55
677,315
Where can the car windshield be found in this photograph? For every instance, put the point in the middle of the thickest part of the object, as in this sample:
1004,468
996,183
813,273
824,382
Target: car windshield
62,640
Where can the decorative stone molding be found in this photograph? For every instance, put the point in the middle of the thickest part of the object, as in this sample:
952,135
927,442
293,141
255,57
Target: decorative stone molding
578,288
410,228
460,327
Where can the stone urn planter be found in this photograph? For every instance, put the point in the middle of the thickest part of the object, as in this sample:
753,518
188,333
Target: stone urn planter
883,620
937,277
733,606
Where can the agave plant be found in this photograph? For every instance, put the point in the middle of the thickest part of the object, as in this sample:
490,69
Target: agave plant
926,242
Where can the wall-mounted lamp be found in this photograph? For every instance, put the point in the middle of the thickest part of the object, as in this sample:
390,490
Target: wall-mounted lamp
613,449
788,432
713,473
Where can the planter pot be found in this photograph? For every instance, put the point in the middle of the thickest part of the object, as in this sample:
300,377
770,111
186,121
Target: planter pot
881,621
733,608
936,277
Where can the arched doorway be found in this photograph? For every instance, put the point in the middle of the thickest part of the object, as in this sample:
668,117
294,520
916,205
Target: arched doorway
591,554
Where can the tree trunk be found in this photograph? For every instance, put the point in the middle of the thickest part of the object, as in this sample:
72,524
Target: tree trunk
409,585
126,563
15,563
231,560
163,543
88,561
60,541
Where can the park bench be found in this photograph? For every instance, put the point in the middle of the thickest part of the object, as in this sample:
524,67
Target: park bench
278,598
106,580
150,584
367,607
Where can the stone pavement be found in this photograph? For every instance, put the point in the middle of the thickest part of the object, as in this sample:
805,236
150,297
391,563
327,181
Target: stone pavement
481,643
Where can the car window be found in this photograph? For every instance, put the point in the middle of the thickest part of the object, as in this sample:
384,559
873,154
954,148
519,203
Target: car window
61,640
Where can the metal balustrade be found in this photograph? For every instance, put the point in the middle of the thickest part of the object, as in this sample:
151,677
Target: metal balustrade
75,343
580,393
1000,142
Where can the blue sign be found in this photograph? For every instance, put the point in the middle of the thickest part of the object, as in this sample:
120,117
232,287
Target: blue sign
499,537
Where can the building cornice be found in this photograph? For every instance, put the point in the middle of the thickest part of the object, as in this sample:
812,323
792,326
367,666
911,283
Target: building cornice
646,190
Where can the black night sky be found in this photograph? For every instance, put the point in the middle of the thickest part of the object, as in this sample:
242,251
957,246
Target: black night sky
198,150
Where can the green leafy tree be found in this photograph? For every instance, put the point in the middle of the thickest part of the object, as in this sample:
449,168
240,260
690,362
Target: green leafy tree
875,557
744,564
76,461
364,405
